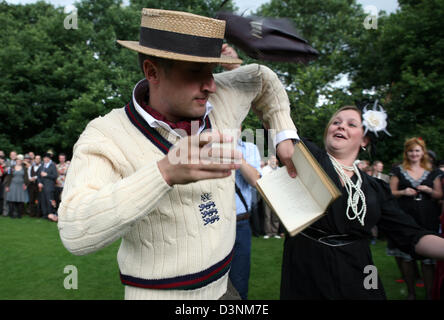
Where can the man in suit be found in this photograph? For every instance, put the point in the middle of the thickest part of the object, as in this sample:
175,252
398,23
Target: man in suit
2,176
33,189
378,166
47,175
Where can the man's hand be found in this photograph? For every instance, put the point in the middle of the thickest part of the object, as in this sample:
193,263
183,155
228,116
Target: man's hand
284,151
40,187
43,174
194,159
229,51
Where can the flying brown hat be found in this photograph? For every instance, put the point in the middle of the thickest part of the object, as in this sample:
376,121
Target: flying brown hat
180,36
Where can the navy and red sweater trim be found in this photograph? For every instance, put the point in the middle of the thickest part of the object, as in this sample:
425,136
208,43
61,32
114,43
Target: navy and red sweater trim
186,282
153,135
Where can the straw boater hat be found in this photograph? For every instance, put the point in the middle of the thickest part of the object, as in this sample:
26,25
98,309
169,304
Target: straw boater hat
180,36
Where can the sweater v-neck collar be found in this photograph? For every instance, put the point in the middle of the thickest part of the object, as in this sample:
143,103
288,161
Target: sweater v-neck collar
151,133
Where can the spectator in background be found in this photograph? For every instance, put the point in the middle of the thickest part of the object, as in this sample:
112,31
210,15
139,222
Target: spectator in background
33,189
8,165
271,221
27,162
432,159
441,166
363,164
2,165
246,177
2,177
257,214
50,153
62,168
418,188
368,170
31,156
46,177
378,167
376,172
15,188
12,159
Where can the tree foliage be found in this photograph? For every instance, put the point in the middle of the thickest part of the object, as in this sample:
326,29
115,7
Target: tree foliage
38,66
402,62
53,80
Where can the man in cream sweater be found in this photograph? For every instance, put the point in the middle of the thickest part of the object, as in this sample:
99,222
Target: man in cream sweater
151,174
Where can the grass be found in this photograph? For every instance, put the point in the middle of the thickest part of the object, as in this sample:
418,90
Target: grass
33,260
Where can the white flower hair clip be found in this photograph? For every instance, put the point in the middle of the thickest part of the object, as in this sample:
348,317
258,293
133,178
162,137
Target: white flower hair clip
375,120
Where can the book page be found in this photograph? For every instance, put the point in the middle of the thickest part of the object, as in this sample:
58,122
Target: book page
289,198
311,180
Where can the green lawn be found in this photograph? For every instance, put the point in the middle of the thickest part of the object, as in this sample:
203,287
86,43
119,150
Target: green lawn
33,259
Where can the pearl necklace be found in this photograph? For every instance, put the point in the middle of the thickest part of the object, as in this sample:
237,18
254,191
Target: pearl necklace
355,194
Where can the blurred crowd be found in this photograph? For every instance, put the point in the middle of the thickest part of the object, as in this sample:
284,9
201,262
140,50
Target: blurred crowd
31,184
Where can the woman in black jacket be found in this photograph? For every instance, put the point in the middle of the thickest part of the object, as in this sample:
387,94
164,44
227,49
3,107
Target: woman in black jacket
331,259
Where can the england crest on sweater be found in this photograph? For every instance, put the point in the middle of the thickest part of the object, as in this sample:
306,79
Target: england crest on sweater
208,209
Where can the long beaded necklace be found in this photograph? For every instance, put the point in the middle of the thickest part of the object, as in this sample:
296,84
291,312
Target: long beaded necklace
355,194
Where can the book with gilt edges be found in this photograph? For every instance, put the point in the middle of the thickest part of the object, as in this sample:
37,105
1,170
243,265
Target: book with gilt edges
300,201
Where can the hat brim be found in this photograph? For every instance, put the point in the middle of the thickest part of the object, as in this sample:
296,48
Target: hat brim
135,46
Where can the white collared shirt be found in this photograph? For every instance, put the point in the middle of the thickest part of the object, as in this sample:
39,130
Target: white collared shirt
154,123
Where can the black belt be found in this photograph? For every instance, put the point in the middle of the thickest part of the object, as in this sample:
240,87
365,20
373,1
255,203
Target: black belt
243,216
332,240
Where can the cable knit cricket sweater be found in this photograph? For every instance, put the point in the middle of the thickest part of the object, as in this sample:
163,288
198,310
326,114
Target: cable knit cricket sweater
114,190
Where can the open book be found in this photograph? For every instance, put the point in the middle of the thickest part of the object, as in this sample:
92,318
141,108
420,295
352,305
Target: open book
299,201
